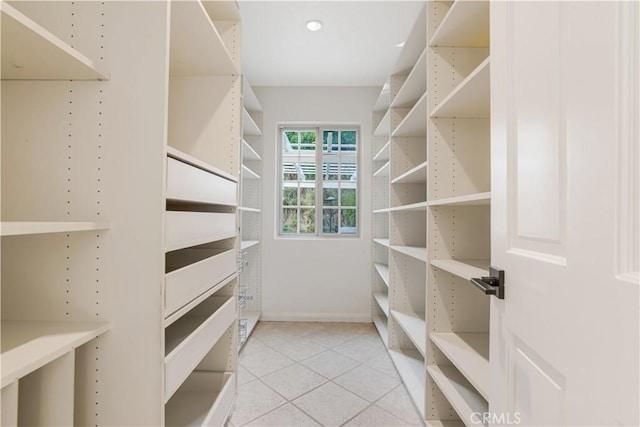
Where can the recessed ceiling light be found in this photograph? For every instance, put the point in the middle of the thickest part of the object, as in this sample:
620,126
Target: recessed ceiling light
314,25
401,44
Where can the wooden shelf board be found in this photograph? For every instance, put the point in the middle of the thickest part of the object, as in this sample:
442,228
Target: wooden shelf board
248,153
187,307
248,173
247,209
30,52
226,10
383,301
187,158
29,345
252,318
414,325
466,24
249,98
382,102
415,175
469,352
383,171
414,86
382,242
463,268
383,127
23,228
412,251
462,396
410,366
195,408
383,271
444,423
478,199
470,98
380,211
196,48
381,325
421,206
415,122
246,244
249,126
383,154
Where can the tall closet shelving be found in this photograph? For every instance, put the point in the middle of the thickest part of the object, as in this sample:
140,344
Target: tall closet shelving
459,209
438,213
249,295
119,222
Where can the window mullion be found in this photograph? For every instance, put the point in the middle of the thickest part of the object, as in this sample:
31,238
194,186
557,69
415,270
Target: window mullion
319,180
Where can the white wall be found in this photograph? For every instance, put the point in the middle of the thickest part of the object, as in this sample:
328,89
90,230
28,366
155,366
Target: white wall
316,279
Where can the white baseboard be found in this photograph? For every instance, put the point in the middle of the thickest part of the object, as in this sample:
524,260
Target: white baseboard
316,317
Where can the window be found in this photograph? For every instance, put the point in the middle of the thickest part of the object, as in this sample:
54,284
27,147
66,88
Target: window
319,184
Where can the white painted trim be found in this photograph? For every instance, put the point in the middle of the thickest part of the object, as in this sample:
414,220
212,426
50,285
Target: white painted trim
317,317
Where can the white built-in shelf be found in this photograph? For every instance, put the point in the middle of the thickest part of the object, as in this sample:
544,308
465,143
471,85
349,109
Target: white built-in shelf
189,159
205,399
412,251
414,45
414,86
414,325
383,271
193,303
248,173
382,242
29,345
383,154
249,98
410,366
471,98
466,24
30,52
248,153
381,211
413,207
414,123
469,352
383,127
383,330
415,175
477,199
247,209
249,126
382,298
196,48
252,318
462,396
383,171
246,244
463,268
223,10
23,228
444,423
382,102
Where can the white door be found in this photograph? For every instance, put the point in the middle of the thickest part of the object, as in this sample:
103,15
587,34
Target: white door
565,90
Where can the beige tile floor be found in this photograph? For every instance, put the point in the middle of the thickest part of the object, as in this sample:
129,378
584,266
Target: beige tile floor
319,374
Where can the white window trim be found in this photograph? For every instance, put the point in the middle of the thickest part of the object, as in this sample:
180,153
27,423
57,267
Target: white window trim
318,128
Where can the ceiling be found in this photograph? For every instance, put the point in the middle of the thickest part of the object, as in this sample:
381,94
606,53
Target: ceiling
355,47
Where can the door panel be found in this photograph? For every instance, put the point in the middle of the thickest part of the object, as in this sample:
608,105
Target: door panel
565,346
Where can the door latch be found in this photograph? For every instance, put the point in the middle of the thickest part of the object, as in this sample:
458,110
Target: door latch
492,285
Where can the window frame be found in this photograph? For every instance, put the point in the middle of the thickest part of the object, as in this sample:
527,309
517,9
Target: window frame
319,129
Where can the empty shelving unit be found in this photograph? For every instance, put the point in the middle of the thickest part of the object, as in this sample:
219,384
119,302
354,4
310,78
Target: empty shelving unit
459,202
119,212
249,293
431,234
